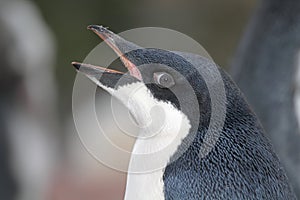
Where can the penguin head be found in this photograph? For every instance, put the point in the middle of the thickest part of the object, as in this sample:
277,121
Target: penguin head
158,82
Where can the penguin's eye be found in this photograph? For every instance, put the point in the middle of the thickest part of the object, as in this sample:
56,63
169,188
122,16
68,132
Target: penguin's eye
163,79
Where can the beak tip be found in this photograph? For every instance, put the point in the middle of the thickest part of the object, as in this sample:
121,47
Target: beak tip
96,28
91,27
100,30
76,65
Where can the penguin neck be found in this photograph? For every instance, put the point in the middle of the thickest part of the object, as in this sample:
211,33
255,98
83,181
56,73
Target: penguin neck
150,156
145,186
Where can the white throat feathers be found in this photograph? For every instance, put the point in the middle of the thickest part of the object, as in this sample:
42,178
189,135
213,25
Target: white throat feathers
162,129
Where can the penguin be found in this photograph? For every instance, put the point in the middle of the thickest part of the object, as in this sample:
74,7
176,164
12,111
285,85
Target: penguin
240,163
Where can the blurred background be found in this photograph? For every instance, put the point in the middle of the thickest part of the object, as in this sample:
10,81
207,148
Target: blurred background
41,155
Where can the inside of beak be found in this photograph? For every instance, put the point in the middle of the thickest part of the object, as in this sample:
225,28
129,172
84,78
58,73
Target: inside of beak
78,65
111,39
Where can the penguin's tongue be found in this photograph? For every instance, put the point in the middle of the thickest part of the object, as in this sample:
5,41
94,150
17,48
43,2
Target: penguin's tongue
77,65
113,40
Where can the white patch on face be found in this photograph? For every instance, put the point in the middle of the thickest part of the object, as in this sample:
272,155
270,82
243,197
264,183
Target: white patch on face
297,90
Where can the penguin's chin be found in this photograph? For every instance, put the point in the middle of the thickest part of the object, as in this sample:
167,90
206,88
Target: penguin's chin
152,116
156,119
140,102
129,90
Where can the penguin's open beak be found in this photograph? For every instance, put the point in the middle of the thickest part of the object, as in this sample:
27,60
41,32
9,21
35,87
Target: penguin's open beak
120,46
91,69
103,77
